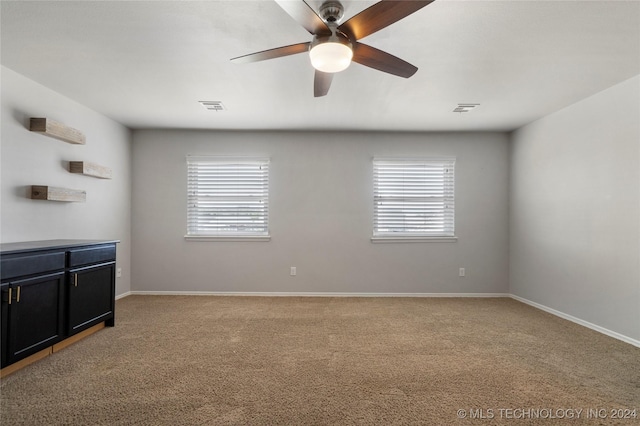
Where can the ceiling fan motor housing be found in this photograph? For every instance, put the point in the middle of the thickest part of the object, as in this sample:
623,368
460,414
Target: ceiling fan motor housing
335,37
331,11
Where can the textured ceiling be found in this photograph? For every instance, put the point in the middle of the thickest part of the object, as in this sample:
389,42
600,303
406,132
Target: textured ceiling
147,64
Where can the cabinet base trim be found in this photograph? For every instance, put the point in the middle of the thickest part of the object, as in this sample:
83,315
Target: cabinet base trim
76,337
18,365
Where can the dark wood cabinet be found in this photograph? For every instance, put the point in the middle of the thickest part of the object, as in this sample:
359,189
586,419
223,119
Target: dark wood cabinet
51,290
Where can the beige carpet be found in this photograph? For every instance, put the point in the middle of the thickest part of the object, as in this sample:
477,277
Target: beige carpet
263,360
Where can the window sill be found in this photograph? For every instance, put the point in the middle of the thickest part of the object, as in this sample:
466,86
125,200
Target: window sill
247,238
408,239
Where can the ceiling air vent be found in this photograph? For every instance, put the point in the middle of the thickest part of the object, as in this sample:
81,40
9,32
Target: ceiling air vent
465,107
213,105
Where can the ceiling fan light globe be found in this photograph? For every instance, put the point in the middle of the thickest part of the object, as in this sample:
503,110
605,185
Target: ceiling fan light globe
331,57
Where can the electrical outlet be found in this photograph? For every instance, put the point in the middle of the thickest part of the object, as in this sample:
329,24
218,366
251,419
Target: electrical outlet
118,272
461,272
293,271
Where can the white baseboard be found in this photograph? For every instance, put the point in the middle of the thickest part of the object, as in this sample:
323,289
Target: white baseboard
311,294
120,296
579,321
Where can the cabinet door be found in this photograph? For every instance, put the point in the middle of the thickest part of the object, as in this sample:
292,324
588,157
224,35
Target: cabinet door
4,323
35,314
91,296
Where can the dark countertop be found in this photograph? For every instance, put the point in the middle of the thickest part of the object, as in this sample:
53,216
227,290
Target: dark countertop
6,248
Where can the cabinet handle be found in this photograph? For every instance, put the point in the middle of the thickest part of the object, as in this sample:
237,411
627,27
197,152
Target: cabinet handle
75,280
10,295
18,295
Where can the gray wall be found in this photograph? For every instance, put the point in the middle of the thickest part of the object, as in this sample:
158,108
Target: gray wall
32,159
575,210
320,216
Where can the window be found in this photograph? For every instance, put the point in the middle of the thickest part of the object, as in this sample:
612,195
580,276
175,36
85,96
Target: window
413,199
227,198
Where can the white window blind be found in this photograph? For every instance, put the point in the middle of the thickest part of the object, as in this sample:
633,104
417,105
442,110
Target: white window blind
413,197
227,197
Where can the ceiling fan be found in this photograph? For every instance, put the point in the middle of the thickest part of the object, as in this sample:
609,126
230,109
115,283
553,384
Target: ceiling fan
335,45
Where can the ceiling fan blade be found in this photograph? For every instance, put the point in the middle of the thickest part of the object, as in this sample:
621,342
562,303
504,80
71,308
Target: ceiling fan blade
305,15
321,83
272,53
380,15
382,61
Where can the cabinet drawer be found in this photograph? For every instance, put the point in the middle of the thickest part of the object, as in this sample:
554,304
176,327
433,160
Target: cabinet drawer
89,255
35,263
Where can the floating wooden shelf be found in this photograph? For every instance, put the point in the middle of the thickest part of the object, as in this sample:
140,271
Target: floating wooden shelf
56,130
90,169
52,193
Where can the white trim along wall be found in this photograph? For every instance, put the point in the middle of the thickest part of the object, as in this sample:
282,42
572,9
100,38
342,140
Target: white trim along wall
574,208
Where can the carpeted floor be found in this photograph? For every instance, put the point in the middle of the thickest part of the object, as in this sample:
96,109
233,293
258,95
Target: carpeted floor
325,361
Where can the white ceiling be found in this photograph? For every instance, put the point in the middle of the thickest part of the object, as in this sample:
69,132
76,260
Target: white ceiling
147,64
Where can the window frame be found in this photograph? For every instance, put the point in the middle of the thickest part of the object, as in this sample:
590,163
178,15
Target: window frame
264,198
448,199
